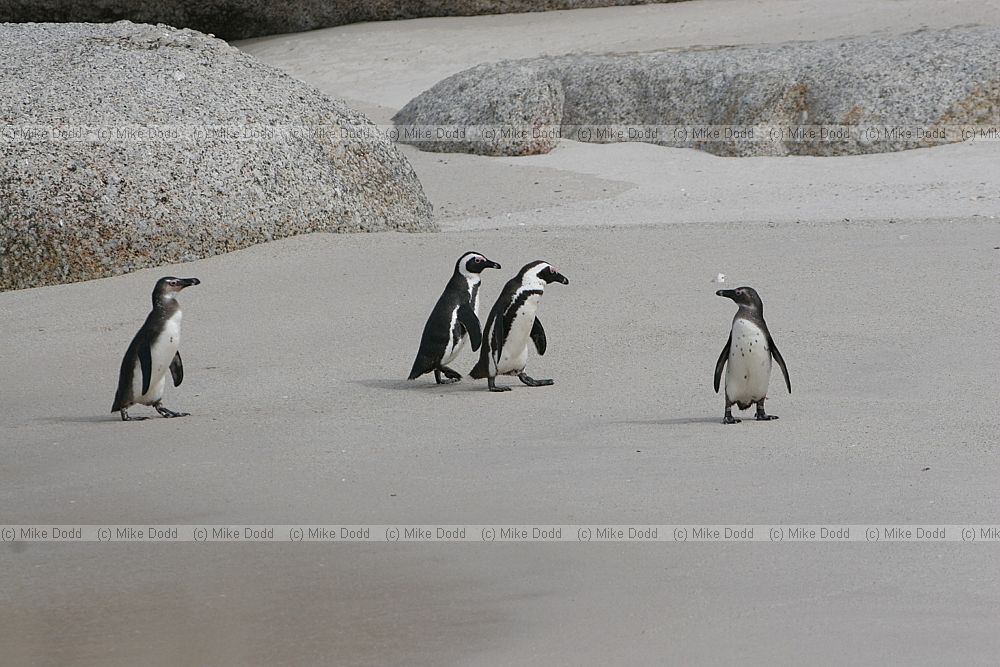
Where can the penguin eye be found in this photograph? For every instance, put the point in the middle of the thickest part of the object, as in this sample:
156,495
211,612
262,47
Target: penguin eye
479,260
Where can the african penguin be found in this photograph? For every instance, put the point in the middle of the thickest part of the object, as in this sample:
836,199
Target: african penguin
748,352
512,322
152,352
455,314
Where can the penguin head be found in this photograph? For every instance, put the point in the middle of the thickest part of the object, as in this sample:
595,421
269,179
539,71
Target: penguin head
474,263
539,270
745,297
168,287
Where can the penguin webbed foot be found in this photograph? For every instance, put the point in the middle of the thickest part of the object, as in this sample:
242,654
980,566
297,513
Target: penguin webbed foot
493,385
170,413
450,375
532,382
729,418
127,418
763,416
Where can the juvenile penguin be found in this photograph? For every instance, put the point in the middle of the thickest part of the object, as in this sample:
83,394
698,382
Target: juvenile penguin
152,352
455,315
748,352
512,322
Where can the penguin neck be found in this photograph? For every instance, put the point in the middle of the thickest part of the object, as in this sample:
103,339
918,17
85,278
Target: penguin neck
751,314
469,280
165,305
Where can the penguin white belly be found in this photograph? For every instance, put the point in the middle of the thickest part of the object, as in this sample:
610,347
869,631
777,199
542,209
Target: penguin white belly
748,369
161,353
455,342
514,355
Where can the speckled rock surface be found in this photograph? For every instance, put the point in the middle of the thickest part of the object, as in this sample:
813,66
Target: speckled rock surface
239,19
489,95
869,86
173,146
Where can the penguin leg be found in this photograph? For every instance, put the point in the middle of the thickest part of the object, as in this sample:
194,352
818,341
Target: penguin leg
729,418
452,375
493,385
532,382
761,415
126,418
169,413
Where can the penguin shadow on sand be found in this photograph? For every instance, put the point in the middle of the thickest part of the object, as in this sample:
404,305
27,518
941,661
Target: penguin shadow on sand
77,419
392,384
675,421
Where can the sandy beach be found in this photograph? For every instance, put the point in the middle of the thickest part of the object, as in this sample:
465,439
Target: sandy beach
879,278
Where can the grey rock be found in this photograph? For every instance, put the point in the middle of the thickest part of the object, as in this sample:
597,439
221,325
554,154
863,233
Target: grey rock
880,91
125,146
467,114
239,19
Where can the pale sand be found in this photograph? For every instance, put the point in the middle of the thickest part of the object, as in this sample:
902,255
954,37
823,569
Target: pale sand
295,353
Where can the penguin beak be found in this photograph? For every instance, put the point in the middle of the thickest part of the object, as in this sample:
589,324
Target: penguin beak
728,293
492,265
188,282
555,277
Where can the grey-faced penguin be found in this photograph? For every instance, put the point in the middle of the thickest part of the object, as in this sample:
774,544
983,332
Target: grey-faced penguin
511,323
748,353
455,315
152,352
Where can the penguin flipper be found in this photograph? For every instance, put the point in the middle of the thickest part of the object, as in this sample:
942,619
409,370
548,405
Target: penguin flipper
498,337
781,361
722,361
538,335
146,364
468,318
177,369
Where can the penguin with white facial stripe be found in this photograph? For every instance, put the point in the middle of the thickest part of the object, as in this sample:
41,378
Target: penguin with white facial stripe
154,351
455,315
748,353
511,323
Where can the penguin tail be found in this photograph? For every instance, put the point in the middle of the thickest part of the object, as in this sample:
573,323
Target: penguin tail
480,370
421,365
